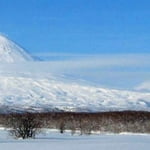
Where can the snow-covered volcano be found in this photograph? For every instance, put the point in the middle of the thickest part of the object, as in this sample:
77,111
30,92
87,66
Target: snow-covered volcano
11,52
22,90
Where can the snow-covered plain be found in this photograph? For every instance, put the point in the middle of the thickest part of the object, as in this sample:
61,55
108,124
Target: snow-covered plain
56,141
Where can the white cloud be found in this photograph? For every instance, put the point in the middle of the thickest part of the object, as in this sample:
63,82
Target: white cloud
144,86
117,70
99,59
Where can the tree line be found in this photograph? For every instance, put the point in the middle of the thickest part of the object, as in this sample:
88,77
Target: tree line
27,125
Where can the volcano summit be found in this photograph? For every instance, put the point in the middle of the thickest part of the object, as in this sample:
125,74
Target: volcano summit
11,52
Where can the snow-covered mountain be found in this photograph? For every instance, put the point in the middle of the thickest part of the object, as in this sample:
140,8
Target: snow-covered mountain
21,92
25,93
11,52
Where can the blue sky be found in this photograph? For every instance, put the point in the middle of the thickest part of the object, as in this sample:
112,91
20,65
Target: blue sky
78,26
81,33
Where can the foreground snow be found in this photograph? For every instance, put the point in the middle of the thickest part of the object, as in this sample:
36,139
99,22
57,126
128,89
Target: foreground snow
56,141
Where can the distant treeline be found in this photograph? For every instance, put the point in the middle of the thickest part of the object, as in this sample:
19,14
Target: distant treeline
85,123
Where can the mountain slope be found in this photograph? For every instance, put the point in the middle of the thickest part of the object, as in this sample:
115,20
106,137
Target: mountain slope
11,52
22,94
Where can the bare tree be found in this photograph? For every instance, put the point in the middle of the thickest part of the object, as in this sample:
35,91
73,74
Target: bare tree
24,125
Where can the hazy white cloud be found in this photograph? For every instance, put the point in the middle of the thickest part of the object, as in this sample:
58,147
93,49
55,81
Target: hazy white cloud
117,70
82,60
144,86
